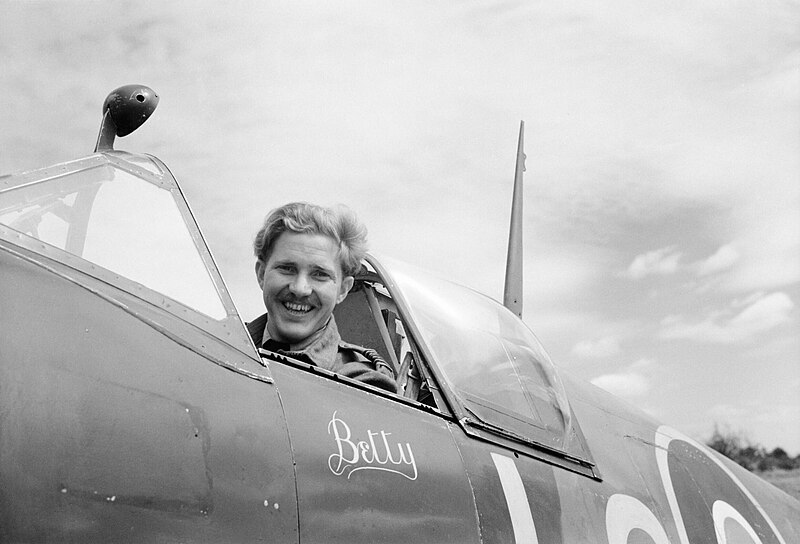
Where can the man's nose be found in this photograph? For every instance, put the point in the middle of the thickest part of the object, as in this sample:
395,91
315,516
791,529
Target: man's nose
300,285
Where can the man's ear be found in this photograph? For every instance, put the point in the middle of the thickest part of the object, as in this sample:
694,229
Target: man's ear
347,284
260,265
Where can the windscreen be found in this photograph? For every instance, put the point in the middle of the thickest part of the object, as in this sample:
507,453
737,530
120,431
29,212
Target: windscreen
488,356
120,222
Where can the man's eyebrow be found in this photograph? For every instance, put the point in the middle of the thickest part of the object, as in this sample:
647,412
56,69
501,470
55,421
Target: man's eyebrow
326,269
283,261
314,267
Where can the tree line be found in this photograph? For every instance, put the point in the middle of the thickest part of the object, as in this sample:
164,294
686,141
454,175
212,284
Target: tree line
751,456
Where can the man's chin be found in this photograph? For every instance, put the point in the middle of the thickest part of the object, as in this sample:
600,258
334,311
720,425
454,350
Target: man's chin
293,334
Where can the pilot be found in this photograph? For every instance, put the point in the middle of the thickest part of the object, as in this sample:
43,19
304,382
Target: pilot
306,257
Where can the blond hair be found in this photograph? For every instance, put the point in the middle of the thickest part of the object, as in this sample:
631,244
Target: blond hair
339,224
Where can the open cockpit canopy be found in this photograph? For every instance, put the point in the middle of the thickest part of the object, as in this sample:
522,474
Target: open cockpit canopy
495,366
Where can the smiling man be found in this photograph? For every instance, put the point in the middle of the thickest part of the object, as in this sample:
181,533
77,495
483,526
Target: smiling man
306,257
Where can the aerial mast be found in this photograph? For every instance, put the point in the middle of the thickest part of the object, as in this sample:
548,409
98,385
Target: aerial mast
512,294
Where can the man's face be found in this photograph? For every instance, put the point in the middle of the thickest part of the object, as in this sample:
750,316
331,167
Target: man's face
302,281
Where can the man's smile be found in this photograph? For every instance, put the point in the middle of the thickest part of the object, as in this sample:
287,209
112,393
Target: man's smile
297,308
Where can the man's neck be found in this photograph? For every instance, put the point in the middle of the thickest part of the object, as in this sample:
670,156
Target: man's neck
300,346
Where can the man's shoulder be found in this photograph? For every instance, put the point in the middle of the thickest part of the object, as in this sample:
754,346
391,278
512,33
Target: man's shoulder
366,365
366,355
362,353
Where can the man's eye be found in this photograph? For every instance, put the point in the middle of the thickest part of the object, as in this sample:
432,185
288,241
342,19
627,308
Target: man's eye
285,268
319,274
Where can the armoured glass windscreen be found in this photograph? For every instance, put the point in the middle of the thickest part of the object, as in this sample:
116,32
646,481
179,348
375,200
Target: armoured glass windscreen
120,222
488,356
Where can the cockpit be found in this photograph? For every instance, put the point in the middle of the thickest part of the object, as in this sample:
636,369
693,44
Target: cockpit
121,218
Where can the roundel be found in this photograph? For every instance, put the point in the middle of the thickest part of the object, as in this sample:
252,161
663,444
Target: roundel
709,503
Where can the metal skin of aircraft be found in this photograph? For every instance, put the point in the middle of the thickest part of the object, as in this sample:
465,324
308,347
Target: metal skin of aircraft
135,408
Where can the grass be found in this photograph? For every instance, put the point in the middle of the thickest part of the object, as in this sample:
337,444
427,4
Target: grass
787,480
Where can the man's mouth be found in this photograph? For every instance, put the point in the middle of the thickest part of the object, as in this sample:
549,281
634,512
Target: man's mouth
297,308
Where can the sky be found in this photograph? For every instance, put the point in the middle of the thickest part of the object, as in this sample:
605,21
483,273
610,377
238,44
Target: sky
662,183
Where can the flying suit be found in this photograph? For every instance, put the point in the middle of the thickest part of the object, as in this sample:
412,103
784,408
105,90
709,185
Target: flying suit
328,351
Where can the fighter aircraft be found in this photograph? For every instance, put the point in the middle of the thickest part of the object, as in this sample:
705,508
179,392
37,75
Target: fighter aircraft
135,408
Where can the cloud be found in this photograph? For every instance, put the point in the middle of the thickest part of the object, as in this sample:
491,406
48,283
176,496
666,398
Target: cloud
641,365
728,412
623,384
662,261
763,259
763,314
602,347
724,258
748,300
553,276
769,245
631,381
